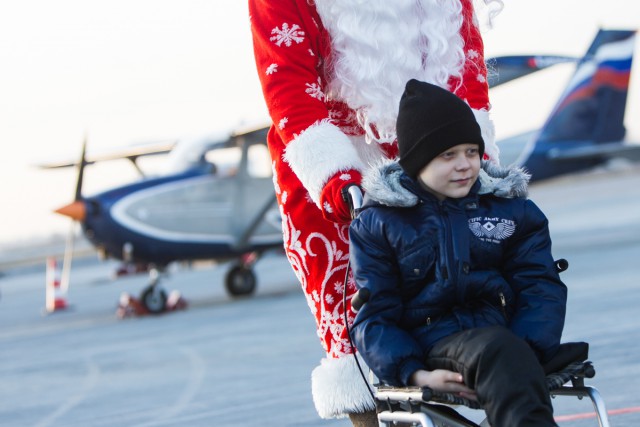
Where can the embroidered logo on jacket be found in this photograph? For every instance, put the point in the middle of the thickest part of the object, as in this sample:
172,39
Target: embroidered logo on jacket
491,229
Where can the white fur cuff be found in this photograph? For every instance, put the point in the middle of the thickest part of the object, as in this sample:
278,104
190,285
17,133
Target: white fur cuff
488,135
318,153
339,389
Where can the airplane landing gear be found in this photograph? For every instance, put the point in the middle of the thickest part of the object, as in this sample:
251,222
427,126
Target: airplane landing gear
153,297
240,279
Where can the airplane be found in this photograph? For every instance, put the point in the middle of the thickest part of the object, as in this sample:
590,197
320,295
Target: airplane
218,202
586,128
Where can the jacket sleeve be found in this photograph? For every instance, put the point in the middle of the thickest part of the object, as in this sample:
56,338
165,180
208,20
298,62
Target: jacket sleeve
289,50
391,353
541,296
287,55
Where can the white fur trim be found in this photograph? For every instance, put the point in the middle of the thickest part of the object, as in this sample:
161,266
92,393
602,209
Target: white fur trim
318,153
488,135
339,389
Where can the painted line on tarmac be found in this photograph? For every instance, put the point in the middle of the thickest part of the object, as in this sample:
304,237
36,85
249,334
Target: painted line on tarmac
585,415
91,379
198,369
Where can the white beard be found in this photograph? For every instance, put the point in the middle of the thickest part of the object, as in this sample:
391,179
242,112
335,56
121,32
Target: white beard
379,45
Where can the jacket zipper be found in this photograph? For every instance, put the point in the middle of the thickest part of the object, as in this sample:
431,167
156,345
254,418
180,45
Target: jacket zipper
503,306
447,232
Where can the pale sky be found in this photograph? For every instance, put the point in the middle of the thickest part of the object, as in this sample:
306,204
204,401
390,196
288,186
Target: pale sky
130,71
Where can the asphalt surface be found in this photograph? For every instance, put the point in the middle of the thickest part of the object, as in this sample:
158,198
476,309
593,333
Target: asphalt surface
247,362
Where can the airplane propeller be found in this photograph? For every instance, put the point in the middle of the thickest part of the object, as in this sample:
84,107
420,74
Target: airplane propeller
153,296
76,210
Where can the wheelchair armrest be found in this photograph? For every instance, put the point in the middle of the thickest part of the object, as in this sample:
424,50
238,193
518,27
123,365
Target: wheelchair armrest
567,353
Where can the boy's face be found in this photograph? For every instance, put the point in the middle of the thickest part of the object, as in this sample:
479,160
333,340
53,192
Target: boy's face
453,172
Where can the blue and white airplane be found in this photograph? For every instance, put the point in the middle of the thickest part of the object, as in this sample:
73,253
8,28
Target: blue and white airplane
219,201
586,127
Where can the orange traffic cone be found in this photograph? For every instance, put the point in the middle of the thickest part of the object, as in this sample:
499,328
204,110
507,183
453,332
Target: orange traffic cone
55,296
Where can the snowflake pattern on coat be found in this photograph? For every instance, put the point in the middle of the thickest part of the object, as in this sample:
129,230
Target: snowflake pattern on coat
314,90
273,68
287,35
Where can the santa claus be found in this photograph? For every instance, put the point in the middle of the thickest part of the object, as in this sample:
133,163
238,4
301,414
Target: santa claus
332,73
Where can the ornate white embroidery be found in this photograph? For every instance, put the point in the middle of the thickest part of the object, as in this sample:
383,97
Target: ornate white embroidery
323,300
276,186
295,252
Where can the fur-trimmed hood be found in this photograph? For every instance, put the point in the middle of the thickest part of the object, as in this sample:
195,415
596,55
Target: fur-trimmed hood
382,183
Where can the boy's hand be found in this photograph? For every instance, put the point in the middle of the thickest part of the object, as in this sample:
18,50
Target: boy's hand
443,381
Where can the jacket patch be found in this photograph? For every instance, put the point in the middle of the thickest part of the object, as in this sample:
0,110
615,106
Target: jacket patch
493,229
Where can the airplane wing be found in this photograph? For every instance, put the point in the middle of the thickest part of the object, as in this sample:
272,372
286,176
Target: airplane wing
503,69
601,152
130,153
133,152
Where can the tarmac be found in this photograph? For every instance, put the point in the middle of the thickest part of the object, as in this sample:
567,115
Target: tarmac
248,361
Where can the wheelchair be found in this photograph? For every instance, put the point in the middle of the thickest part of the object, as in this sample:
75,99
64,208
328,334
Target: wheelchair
421,406
426,408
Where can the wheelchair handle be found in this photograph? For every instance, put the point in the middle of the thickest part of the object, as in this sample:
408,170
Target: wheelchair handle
561,265
352,194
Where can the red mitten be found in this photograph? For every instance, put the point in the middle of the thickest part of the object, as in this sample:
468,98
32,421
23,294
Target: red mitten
334,207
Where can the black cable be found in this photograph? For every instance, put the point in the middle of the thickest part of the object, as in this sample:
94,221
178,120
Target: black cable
347,196
346,325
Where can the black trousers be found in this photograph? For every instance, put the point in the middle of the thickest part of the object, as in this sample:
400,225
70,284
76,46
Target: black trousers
504,372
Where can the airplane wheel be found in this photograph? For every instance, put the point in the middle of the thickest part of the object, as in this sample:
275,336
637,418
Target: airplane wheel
240,281
154,299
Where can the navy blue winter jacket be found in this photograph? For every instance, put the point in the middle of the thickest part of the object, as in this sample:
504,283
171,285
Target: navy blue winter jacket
434,268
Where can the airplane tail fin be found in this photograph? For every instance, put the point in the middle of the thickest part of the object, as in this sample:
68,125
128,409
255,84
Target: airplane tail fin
593,104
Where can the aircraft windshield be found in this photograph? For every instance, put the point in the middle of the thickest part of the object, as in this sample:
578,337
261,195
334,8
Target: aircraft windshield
227,161
224,155
259,162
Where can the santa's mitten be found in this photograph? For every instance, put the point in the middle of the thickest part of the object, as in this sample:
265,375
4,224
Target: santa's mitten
333,204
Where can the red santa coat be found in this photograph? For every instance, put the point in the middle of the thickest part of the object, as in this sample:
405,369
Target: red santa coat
317,145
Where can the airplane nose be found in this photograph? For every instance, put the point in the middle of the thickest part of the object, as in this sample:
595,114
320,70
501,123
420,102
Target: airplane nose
76,210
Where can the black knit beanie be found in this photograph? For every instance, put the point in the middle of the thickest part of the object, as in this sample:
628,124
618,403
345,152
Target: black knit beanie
430,121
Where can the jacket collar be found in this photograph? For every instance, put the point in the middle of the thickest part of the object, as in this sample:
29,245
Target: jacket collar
386,184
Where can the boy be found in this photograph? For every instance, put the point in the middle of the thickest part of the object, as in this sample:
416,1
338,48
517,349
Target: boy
465,297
